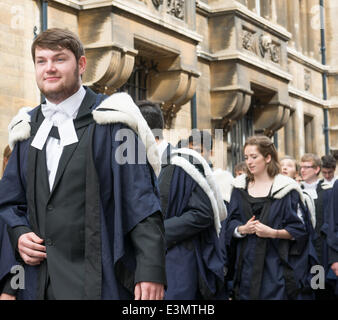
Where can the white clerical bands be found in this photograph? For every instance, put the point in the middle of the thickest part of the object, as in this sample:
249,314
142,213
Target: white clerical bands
67,133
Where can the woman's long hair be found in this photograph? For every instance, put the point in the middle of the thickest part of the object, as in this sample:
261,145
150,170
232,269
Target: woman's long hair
265,147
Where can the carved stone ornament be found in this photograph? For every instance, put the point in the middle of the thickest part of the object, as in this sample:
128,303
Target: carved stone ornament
261,45
264,44
307,80
247,39
176,8
157,3
275,53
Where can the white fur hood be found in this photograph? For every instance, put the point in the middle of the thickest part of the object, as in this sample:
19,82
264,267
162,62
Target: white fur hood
281,186
224,180
208,184
19,128
119,107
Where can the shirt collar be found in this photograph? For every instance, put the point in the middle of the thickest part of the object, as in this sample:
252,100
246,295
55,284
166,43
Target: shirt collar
331,182
71,105
312,185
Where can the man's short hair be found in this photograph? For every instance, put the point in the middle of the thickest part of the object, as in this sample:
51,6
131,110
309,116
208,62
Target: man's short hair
201,138
328,162
311,157
153,115
58,39
287,157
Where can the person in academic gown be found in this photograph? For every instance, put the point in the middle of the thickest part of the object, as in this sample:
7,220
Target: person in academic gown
271,258
320,191
6,251
330,228
192,209
306,208
82,206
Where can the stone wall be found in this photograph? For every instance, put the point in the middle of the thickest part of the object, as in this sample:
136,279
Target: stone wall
17,81
237,56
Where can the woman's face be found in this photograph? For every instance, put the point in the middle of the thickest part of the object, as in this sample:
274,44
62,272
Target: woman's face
255,161
288,168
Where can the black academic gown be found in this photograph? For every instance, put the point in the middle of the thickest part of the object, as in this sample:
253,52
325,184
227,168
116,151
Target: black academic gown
330,229
122,213
261,266
193,261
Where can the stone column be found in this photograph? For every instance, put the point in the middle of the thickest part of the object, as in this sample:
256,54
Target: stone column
288,137
308,135
293,23
252,5
244,2
304,32
313,22
266,9
280,10
298,124
331,34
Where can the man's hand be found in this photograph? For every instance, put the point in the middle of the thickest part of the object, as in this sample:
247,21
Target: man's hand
334,267
149,291
5,296
30,249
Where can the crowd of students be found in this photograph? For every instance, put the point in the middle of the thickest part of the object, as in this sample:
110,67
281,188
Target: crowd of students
279,219
275,231
84,222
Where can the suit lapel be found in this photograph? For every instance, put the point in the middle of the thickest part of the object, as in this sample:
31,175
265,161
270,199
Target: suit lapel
31,177
85,110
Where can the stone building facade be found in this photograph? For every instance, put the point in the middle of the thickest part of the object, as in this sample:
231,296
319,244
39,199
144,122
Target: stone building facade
232,67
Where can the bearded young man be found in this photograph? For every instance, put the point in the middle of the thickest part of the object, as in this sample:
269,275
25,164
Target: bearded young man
84,224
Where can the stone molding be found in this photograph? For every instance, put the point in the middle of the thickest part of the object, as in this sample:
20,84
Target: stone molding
246,14
109,66
271,117
243,57
229,104
173,88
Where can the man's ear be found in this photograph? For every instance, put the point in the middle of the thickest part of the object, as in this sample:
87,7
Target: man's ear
317,170
82,64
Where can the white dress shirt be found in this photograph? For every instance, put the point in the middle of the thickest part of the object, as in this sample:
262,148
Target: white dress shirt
61,116
331,182
311,189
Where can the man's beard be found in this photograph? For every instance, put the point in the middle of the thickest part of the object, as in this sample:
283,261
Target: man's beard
65,91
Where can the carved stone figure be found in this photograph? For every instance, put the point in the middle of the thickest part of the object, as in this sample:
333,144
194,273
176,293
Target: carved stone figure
176,8
247,38
157,3
264,44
